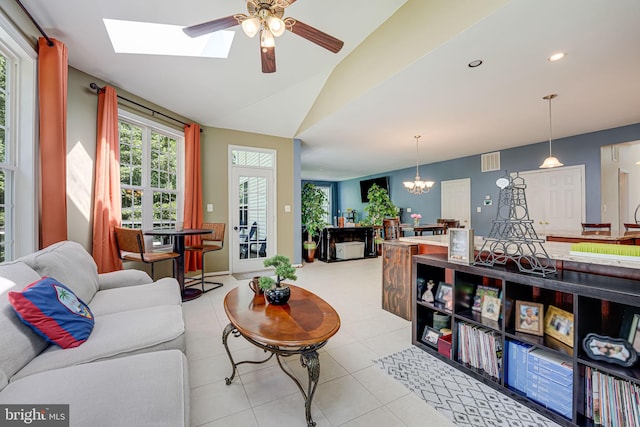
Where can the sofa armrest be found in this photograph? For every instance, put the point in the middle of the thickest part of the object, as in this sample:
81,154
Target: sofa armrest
121,278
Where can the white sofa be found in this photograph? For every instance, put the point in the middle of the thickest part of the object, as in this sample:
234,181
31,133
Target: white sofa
130,371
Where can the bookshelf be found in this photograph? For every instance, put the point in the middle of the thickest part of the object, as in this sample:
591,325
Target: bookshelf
600,303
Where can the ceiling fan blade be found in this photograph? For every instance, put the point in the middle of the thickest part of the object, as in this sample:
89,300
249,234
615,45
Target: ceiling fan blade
314,35
213,26
268,55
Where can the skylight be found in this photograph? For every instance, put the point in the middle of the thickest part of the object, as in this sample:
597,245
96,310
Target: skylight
147,38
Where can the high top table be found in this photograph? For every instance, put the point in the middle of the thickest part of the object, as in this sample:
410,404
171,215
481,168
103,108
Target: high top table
178,247
301,327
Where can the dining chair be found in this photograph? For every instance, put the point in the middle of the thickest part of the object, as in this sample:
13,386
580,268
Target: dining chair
130,244
596,226
391,228
448,223
631,226
211,242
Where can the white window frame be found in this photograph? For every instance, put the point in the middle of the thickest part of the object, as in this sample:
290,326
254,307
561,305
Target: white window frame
21,198
147,201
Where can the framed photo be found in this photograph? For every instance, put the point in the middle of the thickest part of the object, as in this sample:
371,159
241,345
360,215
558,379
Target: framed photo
612,350
559,324
461,245
430,336
491,307
445,295
631,327
482,291
529,316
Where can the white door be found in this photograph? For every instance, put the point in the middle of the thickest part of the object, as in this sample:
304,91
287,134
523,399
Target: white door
455,200
555,198
251,208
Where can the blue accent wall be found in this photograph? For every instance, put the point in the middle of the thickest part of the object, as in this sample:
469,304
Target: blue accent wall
575,150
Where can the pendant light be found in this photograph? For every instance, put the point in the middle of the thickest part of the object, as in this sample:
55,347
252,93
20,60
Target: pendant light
418,186
550,162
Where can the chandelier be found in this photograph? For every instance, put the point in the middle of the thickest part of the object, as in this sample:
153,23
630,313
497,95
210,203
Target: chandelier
550,162
418,186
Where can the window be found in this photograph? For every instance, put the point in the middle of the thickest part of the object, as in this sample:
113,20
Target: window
150,174
327,203
17,144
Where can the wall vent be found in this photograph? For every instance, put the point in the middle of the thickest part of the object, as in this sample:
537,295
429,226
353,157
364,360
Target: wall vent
490,162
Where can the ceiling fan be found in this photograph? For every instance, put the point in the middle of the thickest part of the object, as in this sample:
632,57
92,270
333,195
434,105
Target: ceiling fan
265,17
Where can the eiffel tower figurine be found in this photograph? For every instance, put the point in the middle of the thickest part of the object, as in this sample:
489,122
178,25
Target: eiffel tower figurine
512,237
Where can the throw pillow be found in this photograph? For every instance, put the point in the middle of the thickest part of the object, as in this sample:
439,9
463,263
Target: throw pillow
54,312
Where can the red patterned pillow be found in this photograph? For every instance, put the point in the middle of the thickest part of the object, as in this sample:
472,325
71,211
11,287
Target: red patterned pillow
53,311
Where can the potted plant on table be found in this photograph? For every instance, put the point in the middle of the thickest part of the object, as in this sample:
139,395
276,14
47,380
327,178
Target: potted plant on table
275,291
313,217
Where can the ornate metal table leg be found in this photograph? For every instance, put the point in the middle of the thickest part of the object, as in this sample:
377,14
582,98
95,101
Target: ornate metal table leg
312,363
225,334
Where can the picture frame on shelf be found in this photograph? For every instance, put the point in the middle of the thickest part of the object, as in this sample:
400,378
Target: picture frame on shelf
444,295
491,307
558,324
461,248
529,317
430,336
464,295
608,349
630,329
481,291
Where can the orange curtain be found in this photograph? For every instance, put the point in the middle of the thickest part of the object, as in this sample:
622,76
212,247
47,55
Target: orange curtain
106,200
193,217
53,70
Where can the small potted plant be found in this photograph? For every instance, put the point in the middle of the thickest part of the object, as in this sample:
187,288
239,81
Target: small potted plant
275,291
313,217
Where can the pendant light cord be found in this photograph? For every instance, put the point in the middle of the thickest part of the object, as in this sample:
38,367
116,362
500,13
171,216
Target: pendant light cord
550,98
417,137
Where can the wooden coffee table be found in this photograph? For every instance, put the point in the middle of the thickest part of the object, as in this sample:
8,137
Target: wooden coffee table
301,327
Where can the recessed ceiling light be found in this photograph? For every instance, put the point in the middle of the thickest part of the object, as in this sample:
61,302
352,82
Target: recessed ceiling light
556,56
475,63
159,39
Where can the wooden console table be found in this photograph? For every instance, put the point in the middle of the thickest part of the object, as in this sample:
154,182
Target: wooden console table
332,235
299,328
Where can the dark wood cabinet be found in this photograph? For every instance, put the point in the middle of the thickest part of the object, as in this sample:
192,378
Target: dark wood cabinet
599,304
396,277
332,235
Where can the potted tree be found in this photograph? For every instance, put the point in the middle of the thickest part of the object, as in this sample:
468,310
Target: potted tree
274,290
313,217
379,207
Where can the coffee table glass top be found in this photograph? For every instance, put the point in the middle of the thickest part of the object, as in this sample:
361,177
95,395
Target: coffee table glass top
306,320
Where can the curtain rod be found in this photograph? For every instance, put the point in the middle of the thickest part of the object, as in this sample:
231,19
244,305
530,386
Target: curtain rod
153,112
24,9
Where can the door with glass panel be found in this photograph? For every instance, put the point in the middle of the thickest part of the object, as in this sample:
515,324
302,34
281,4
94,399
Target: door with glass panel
252,213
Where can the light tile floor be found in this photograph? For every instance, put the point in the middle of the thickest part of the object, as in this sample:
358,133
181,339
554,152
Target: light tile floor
351,391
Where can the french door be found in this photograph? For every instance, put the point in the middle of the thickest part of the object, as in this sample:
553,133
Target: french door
251,208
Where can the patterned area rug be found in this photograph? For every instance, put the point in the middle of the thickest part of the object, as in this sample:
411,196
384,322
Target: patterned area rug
464,400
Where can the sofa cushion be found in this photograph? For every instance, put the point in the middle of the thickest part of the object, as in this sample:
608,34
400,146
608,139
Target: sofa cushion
116,335
18,342
69,263
149,389
54,312
163,292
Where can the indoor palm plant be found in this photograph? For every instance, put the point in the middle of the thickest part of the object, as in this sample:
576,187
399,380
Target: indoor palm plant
275,292
313,201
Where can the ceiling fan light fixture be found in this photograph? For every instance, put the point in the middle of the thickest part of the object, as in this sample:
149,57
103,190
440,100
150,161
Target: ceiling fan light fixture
266,38
276,25
251,26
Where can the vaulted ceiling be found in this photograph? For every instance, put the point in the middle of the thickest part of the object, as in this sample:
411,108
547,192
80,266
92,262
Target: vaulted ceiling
403,71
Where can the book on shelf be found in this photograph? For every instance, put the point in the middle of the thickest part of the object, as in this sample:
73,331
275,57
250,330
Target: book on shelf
550,381
480,348
517,364
611,401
